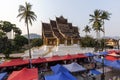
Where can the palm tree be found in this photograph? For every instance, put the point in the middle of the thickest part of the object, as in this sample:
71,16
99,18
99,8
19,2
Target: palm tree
28,15
87,29
96,24
96,20
105,16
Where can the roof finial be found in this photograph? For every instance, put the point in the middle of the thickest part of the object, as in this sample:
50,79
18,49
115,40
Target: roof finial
61,16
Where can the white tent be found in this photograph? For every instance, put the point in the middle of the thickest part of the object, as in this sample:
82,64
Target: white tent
74,67
106,69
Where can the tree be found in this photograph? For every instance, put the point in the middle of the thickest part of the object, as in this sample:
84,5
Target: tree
6,26
3,41
6,45
28,15
96,20
2,34
8,49
96,25
36,42
20,41
87,41
87,29
16,30
104,16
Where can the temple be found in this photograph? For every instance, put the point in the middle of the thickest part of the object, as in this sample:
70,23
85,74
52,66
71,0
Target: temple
60,32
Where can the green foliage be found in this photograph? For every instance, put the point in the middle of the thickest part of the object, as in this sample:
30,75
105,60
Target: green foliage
6,46
17,30
87,29
7,26
36,42
87,41
7,52
3,42
96,20
20,41
26,13
2,34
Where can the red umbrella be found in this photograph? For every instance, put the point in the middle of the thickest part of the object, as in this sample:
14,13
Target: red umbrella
81,55
14,62
24,74
54,58
39,60
111,58
67,57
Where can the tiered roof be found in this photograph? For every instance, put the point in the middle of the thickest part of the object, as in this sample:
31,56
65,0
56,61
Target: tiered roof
60,29
66,28
47,30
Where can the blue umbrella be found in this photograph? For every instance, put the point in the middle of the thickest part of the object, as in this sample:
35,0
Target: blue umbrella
98,60
89,54
103,53
2,75
95,72
58,68
116,64
60,76
106,62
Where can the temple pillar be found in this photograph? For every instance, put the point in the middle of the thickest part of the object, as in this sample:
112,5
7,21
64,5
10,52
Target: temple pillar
71,41
66,42
57,43
46,41
78,42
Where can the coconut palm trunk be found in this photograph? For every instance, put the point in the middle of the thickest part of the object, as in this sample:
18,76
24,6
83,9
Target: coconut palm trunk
29,47
104,46
104,16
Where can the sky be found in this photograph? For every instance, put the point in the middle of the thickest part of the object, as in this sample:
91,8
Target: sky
76,11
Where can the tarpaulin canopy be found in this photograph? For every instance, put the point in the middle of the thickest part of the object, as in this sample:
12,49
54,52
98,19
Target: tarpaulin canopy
14,62
24,74
95,72
111,58
61,76
114,54
39,60
2,75
67,57
79,56
58,68
116,64
54,58
89,54
106,62
75,56
111,51
74,67
106,69
103,53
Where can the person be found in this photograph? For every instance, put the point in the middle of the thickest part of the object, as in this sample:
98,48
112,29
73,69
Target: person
42,76
93,78
2,60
